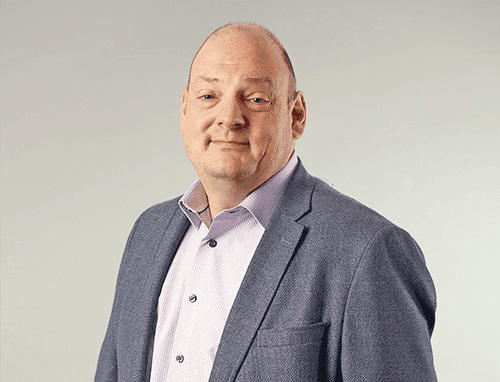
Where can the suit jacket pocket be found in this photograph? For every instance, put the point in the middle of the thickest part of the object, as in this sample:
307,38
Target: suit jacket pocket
285,354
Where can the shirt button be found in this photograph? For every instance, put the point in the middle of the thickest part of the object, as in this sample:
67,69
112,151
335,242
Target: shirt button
192,298
179,358
212,243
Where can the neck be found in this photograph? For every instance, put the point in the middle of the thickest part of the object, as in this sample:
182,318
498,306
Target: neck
225,194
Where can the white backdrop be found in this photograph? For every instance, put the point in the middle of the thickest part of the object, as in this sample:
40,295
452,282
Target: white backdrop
403,114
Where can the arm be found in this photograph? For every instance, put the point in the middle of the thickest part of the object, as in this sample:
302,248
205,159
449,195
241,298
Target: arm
390,313
107,366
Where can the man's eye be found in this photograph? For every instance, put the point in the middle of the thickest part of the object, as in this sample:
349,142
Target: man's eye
207,96
257,100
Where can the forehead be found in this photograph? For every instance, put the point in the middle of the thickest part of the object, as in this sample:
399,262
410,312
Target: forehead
253,58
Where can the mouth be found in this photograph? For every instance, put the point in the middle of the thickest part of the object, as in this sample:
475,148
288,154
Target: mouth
230,144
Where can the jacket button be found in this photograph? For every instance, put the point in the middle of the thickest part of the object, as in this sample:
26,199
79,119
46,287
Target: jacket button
192,298
212,243
179,358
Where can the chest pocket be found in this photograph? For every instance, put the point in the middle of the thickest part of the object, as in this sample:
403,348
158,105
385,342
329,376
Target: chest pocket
285,354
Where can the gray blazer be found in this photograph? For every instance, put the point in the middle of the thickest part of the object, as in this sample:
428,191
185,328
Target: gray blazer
334,292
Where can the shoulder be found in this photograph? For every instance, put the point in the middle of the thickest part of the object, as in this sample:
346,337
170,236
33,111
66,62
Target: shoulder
315,200
158,212
331,219
342,215
339,224
161,209
369,243
149,229
151,224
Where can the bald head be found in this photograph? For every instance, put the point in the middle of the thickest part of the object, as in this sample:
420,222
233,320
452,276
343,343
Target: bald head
257,35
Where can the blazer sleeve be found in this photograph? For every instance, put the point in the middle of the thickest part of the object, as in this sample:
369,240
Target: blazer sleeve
107,366
390,313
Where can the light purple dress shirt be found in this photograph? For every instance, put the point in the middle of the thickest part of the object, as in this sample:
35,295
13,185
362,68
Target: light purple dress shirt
205,277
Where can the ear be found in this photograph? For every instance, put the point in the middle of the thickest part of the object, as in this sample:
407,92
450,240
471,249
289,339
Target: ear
298,115
184,104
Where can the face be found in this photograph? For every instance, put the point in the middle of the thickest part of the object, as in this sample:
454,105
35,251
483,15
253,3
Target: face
235,118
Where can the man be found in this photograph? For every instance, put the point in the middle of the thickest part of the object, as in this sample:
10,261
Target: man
261,272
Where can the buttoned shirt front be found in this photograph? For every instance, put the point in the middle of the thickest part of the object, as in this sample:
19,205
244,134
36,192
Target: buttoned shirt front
205,276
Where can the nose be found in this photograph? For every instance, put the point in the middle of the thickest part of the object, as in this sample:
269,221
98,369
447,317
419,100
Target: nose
231,114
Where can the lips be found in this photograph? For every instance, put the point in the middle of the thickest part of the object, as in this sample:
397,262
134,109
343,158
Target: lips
230,143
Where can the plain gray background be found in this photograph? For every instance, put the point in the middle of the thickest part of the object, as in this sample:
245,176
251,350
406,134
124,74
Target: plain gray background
403,114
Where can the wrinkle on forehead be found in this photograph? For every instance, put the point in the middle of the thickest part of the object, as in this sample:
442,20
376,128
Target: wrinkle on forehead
249,72
204,64
253,80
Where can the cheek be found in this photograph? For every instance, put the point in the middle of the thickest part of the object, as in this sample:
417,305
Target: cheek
190,134
261,138
269,133
194,127
199,118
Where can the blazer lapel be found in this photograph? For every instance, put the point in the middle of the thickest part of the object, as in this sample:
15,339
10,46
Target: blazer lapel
173,226
263,276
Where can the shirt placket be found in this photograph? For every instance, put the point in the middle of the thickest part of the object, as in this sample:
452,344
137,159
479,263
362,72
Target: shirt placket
186,356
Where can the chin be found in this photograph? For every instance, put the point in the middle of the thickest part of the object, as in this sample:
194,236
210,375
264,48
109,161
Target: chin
229,171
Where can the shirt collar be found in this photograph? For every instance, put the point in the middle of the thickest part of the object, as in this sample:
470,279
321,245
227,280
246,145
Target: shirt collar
261,202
